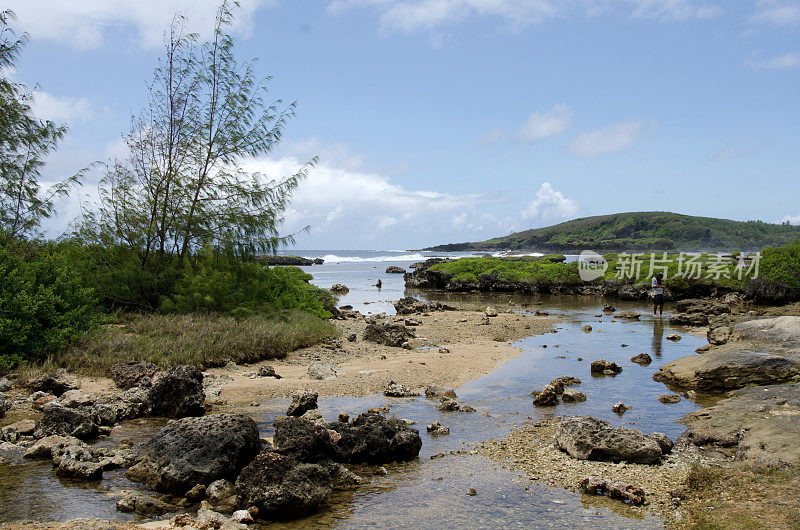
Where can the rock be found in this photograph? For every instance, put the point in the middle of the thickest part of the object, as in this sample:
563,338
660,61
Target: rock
406,346
40,402
643,359
548,397
49,446
587,438
220,491
447,404
344,417
5,384
437,392
323,370
338,288
602,366
706,307
388,334
627,315
782,331
143,505
669,399
5,405
208,518
587,328
128,374
725,370
718,336
491,311
62,421
397,390
267,371
314,416
302,401
616,490
689,319
56,383
78,461
572,396
663,441
393,269
411,322
242,517
352,337
436,429
193,451
608,309
565,380
442,349
674,337
472,492
177,393
76,398
231,366
282,487
757,423
197,493
12,433
621,408
410,305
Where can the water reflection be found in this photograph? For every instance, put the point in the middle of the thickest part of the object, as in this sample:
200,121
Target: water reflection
658,337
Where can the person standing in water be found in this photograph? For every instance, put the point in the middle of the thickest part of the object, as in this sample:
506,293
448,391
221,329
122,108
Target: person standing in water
658,293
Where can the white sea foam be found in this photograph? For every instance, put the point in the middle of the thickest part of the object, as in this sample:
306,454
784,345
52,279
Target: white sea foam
333,258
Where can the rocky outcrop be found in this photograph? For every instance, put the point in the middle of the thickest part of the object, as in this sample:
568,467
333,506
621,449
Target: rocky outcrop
63,421
194,451
177,393
56,383
760,423
293,261
303,400
717,371
706,307
338,288
129,374
387,333
410,305
601,366
394,389
689,319
627,493
642,359
587,438
781,331
394,269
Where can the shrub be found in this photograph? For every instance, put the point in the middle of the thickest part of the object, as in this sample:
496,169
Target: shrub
44,306
779,274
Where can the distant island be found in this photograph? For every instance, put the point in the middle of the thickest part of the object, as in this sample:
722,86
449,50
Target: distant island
639,231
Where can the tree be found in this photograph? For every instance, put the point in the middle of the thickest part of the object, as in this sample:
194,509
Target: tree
182,186
24,142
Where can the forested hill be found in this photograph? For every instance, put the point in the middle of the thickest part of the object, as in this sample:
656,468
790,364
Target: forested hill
640,231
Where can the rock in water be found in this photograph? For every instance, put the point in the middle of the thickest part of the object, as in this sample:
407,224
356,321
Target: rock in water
643,359
719,371
602,366
627,315
177,393
397,390
621,408
302,401
615,490
572,396
587,438
338,288
193,451
394,269
548,397
587,328
127,375
63,421
669,399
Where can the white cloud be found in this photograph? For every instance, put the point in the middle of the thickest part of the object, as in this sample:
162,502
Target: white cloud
492,137
792,219
739,149
599,142
550,206
83,24
60,109
777,12
780,62
541,125
674,10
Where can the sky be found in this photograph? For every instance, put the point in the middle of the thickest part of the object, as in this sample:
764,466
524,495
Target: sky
439,121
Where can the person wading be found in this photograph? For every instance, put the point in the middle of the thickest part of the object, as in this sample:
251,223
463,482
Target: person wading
658,293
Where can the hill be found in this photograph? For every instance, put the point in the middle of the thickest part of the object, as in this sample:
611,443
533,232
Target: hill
640,231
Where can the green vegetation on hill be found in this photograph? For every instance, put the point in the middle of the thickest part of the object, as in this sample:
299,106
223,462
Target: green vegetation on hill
641,231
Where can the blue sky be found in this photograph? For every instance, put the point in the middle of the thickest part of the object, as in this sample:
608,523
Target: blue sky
457,120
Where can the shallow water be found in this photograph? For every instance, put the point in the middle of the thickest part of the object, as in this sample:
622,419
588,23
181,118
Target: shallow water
432,492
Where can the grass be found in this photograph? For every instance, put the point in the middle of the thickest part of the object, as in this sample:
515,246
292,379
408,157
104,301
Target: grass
741,496
205,340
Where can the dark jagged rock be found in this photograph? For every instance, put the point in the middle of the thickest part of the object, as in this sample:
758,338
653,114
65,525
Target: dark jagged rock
643,359
587,438
627,493
193,451
177,393
725,370
127,375
387,333
547,397
63,421
56,383
394,269
292,261
602,366
338,288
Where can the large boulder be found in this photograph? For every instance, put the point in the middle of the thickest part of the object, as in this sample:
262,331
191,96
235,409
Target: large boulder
387,333
194,451
303,400
783,331
56,383
587,438
706,307
725,370
177,393
281,487
128,374
756,423
63,421
368,439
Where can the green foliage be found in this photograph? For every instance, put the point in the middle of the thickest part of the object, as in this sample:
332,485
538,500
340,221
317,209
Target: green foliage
224,285
25,141
637,231
539,272
781,266
44,306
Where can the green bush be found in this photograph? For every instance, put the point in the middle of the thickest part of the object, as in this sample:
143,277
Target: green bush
220,284
44,305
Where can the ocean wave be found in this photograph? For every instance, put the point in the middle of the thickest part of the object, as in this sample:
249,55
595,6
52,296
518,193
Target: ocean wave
333,258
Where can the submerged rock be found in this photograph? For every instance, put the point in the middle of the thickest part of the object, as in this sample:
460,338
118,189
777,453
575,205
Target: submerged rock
437,429
547,397
587,438
725,370
194,451
627,315
669,399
